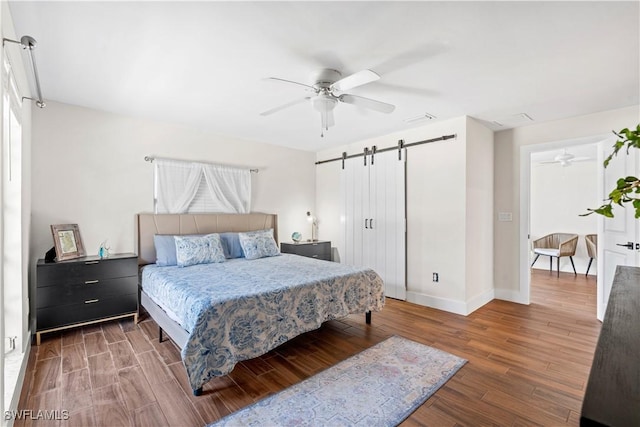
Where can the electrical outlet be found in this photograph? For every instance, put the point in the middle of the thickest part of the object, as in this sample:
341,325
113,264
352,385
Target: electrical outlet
435,277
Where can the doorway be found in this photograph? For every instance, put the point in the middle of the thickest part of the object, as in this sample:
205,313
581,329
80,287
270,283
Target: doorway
549,152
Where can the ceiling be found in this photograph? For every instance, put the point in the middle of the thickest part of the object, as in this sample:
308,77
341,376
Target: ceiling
204,64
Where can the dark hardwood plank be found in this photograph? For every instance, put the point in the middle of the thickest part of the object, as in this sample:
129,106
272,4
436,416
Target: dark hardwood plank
102,372
95,343
47,375
135,388
122,354
73,358
149,416
113,332
76,390
154,369
138,341
109,407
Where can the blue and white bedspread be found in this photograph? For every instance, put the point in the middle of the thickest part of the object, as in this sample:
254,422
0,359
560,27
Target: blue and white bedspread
241,309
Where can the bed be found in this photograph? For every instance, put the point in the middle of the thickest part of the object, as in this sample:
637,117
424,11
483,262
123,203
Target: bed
224,312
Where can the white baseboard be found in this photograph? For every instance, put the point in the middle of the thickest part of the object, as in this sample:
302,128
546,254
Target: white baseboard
511,296
479,300
452,306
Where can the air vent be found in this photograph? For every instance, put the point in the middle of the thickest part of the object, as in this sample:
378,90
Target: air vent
513,120
424,116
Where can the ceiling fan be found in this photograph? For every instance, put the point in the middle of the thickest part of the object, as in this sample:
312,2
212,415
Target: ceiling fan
565,159
327,91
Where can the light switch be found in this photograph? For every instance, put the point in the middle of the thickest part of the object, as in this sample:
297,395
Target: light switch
505,216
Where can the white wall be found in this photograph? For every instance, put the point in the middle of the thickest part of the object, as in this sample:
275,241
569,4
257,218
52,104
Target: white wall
89,169
559,195
479,215
507,182
437,200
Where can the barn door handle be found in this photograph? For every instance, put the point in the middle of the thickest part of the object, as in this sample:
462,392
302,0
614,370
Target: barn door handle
628,245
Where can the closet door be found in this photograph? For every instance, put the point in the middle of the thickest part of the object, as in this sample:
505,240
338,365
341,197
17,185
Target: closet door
374,218
355,202
387,224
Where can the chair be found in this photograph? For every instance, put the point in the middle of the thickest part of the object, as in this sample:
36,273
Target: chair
556,245
592,248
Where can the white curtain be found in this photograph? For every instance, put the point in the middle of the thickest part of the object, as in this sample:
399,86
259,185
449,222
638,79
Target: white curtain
230,187
179,184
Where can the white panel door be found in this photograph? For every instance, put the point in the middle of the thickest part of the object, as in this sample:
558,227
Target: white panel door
387,222
355,187
616,232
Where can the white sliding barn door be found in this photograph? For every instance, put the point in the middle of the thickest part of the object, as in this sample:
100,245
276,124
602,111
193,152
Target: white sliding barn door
374,210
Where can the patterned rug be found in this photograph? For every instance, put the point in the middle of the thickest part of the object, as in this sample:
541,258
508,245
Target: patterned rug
380,386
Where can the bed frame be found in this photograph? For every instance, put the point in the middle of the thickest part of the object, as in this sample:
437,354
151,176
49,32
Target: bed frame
147,225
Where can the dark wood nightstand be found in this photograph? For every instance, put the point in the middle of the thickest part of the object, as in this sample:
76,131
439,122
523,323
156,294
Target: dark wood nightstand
85,290
317,249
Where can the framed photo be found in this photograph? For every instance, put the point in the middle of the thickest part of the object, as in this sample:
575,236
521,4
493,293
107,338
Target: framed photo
67,241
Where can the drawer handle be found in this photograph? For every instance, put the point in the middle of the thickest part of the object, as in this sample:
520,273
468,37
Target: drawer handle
91,262
91,301
90,282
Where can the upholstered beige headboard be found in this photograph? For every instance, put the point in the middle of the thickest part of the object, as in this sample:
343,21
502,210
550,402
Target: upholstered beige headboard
147,225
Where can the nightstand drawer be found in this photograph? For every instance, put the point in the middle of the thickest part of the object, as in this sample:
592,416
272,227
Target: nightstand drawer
52,274
93,309
318,250
68,293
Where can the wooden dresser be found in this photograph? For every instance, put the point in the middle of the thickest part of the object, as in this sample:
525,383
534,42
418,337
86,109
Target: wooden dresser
318,249
612,397
84,290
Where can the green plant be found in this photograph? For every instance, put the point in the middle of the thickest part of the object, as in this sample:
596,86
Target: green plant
627,189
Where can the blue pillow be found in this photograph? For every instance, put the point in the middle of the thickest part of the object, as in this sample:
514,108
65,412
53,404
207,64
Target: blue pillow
258,244
192,250
166,247
165,250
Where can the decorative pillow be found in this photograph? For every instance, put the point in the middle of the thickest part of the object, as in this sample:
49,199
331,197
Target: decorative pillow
192,250
258,244
231,245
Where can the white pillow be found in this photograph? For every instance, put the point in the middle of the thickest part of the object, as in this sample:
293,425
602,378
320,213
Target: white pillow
258,244
192,250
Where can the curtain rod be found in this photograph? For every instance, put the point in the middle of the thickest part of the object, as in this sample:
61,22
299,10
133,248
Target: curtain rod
29,43
398,147
151,159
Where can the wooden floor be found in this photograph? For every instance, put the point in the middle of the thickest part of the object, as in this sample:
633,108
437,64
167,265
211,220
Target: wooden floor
528,365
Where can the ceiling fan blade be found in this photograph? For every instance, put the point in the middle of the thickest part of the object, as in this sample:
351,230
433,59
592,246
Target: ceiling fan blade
581,159
371,104
287,105
354,80
276,79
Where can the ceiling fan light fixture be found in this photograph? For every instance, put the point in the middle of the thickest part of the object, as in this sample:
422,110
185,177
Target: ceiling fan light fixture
324,103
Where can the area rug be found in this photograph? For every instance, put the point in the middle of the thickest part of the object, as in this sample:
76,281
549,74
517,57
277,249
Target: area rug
380,386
